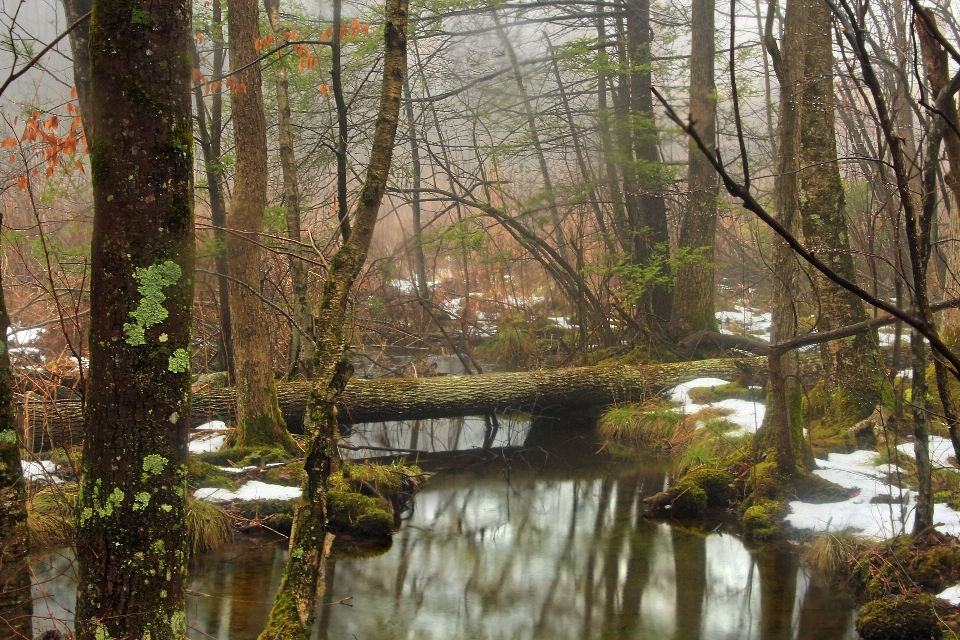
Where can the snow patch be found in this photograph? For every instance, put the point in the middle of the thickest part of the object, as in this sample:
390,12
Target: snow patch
745,321
747,415
213,425
951,595
941,450
254,490
41,471
879,520
207,443
23,336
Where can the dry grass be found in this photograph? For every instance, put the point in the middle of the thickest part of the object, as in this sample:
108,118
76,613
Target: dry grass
830,556
208,526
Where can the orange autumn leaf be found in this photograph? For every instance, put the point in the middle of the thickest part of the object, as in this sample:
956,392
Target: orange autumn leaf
197,76
22,182
10,142
258,44
325,37
79,165
200,38
73,95
214,86
13,158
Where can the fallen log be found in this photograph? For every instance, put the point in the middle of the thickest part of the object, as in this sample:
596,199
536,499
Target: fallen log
47,424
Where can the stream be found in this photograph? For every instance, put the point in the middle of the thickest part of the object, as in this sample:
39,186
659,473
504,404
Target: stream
543,540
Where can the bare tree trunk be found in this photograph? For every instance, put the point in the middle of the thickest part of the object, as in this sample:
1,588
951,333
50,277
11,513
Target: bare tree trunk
292,613
336,80
416,242
259,422
693,300
131,541
300,358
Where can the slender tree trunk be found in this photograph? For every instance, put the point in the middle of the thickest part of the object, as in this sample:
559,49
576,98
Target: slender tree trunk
532,130
80,48
852,368
651,237
789,69
693,305
292,613
16,601
259,422
131,540
218,215
336,80
416,242
301,347
923,517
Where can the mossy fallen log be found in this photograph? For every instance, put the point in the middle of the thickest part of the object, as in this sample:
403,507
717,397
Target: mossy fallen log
47,424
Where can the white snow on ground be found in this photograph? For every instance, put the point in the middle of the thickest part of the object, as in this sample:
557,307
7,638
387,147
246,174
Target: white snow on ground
23,336
42,471
748,320
745,414
253,490
886,337
941,450
214,425
952,594
860,470
237,469
207,443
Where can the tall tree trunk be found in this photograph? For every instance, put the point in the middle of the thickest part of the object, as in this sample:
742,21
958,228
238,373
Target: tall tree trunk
131,540
693,306
259,421
788,66
852,368
301,347
16,601
336,80
80,49
650,236
292,613
416,242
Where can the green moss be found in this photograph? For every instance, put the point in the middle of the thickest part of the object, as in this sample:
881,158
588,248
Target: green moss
810,487
246,457
150,311
289,475
284,622
357,514
688,502
706,395
715,483
900,618
204,474
930,562
761,521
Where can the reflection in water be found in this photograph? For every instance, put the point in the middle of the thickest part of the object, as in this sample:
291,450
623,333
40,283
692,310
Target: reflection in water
447,434
551,543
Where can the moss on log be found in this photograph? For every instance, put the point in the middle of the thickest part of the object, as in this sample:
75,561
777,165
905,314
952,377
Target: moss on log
54,424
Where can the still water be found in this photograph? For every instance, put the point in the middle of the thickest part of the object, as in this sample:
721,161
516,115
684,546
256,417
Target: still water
544,541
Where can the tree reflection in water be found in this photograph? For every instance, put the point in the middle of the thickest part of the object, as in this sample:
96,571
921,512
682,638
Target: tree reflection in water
549,543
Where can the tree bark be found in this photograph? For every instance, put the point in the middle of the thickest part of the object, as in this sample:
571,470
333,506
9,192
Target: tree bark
301,347
300,587
80,49
131,542
852,368
259,419
693,300
16,601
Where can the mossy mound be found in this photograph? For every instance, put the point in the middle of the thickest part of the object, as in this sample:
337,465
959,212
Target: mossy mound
358,515
809,487
203,474
706,395
715,483
914,617
289,475
246,457
762,520
929,561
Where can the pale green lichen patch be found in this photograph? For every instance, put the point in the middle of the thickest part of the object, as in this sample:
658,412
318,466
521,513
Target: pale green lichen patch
8,436
153,465
141,501
179,361
150,311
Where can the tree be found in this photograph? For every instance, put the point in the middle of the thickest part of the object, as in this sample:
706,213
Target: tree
292,614
852,369
693,306
259,421
131,539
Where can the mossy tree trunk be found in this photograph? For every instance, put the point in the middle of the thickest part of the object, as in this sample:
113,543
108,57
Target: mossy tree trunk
693,307
292,613
300,359
16,603
259,421
852,367
131,542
